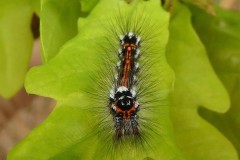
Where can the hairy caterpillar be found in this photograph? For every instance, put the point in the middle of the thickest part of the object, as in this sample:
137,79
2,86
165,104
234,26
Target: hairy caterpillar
123,99
126,90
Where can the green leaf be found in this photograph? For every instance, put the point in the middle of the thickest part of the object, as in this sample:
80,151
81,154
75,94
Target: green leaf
196,86
87,5
58,25
36,4
15,44
204,4
221,36
70,131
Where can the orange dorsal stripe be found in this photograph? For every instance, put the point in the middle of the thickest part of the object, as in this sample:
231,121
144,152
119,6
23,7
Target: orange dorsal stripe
127,67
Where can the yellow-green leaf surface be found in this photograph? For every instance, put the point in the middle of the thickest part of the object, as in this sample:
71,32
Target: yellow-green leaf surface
196,86
15,43
221,36
87,5
69,133
58,25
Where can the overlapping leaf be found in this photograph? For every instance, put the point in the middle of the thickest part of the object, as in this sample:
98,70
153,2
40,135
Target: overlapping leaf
15,43
58,25
196,85
87,5
221,36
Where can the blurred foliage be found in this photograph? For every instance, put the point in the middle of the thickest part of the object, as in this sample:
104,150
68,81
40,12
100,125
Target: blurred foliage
221,37
204,4
15,43
196,85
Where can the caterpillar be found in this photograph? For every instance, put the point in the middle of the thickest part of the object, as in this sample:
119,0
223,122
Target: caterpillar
125,93
123,99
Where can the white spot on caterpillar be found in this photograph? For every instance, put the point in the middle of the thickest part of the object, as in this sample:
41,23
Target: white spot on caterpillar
135,78
114,107
121,98
121,39
136,66
116,76
136,104
122,89
130,34
133,91
137,54
111,95
119,64
120,52
138,40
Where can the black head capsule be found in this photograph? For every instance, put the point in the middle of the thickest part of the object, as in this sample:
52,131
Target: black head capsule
131,39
